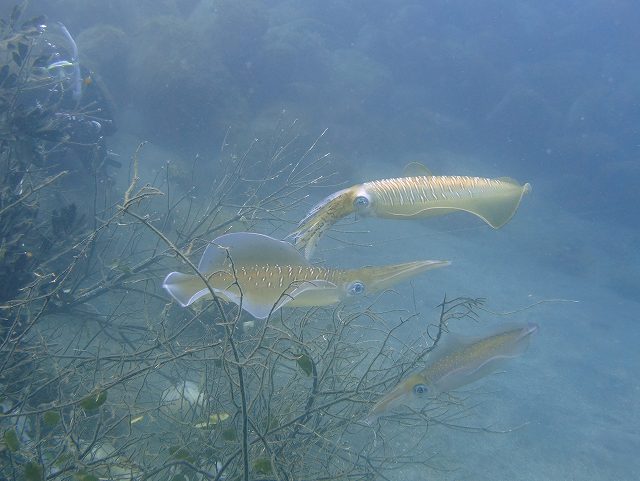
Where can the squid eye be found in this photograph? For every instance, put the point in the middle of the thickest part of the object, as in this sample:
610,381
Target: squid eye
361,202
420,389
356,288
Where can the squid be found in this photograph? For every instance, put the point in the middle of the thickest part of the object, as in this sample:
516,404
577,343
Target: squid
495,201
463,361
262,274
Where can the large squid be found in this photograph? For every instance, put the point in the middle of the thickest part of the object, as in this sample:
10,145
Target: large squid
261,275
493,200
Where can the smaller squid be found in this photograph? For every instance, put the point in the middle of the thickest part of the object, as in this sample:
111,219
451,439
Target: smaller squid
461,362
495,201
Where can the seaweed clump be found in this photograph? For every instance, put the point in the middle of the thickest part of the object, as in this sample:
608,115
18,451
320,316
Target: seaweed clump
52,137
42,128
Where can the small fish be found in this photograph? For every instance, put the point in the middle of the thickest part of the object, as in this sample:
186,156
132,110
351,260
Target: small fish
183,394
462,362
213,420
59,64
261,275
493,200
76,78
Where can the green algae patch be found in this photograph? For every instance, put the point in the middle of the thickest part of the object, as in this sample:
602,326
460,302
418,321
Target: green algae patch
11,440
94,401
51,418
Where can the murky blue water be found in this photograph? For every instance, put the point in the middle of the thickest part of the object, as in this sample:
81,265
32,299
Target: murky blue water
540,91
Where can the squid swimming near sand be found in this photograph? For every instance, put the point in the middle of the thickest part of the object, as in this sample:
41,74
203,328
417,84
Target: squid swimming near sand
461,362
261,274
493,200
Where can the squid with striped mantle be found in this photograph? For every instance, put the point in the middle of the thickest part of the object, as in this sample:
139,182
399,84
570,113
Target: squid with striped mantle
495,201
262,274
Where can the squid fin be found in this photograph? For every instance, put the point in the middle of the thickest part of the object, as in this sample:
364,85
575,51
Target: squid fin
262,308
416,169
246,249
185,288
497,211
